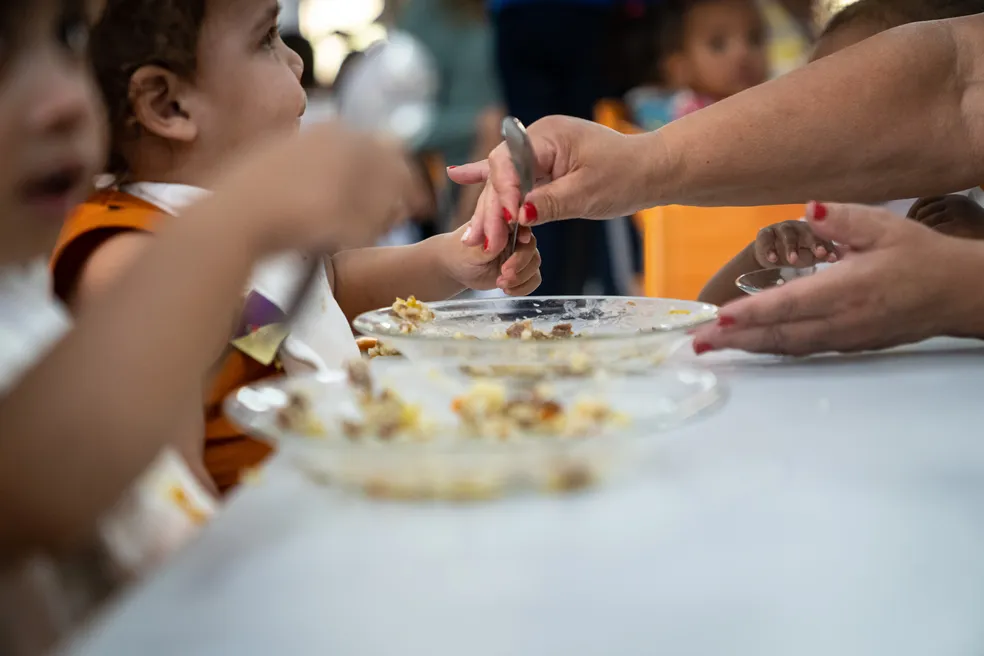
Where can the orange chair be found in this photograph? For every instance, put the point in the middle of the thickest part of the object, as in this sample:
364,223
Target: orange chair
685,246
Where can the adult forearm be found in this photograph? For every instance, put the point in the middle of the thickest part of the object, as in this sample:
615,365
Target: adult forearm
93,415
898,116
369,278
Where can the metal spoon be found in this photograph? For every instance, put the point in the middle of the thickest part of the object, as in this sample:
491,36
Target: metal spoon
524,160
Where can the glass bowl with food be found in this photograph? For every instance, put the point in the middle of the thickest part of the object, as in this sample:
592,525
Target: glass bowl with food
535,336
435,433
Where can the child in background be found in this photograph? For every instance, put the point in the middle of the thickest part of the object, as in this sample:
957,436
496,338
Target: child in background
792,243
190,85
85,410
710,50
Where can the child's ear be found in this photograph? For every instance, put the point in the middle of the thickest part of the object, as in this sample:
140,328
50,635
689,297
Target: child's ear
157,97
676,69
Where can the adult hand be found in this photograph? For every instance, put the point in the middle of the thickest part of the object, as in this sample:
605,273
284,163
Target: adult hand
900,282
583,170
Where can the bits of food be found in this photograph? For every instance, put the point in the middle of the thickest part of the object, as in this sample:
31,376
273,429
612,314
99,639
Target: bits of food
524,330
488,411
298,417
385,415
412,311
371,348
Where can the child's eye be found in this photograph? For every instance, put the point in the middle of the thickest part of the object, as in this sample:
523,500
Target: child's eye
270,38
73,33
717,44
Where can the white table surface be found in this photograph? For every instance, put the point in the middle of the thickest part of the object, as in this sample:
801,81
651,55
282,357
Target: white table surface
832,507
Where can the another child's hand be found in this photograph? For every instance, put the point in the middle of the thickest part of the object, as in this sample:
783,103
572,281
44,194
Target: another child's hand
327,188
793,244
475,268
954,215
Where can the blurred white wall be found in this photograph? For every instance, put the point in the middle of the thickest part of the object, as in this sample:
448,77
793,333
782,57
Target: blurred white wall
289,19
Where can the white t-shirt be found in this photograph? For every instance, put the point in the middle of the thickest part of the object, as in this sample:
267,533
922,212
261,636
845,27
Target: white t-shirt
321,337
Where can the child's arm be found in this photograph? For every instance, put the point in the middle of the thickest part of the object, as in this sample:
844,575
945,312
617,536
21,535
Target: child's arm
721,288
434,269
93,414
785,244
102,272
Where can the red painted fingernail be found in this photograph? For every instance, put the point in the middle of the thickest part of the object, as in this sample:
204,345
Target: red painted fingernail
700,348
531,214
818,210
725,322
506,215
453,166
486,247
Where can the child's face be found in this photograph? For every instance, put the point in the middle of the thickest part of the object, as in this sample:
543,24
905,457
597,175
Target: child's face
247,85
52,132
724,48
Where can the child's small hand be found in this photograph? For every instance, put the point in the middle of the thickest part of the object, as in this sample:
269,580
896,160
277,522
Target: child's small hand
475,268
954,215
793,244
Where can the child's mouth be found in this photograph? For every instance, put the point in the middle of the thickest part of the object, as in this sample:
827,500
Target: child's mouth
54,192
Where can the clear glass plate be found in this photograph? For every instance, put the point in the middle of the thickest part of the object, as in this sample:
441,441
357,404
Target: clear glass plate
758,281
611,330
449,465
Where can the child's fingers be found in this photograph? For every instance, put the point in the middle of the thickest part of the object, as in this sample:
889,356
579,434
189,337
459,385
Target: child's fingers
519,268
765,246
921,204
788,243
526,287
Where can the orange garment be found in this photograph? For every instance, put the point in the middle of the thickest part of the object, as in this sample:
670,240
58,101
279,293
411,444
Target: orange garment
106,214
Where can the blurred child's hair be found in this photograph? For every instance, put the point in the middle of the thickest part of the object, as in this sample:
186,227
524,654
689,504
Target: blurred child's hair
136,33
886,14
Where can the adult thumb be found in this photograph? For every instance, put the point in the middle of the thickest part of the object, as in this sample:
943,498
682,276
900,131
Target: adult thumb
858,227
554,201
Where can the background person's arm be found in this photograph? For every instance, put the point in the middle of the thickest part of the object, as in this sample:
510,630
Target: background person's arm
897,116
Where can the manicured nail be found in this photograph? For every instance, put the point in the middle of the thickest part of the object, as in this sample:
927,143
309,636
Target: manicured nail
453,166
467,234
726,321
531,215
506,215
486,246
700,348
817,210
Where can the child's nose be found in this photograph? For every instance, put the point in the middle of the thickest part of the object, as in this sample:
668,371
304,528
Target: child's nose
296,65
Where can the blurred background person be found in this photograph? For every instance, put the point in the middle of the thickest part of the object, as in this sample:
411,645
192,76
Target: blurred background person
551,57
469,109
709,50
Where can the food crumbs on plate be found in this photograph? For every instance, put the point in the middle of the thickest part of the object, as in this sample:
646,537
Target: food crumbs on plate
679,312
298,416
570,478
412,310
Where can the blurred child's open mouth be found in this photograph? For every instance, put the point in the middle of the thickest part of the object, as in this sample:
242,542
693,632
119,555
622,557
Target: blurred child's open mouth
55,192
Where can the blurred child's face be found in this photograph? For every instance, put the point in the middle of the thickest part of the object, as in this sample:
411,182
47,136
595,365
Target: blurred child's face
248,83
843,37
52,132
724,48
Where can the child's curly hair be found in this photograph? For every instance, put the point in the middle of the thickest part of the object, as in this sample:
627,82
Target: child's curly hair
136,33
893,13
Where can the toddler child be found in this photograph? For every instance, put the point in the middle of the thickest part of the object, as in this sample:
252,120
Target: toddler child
710,50
192,85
